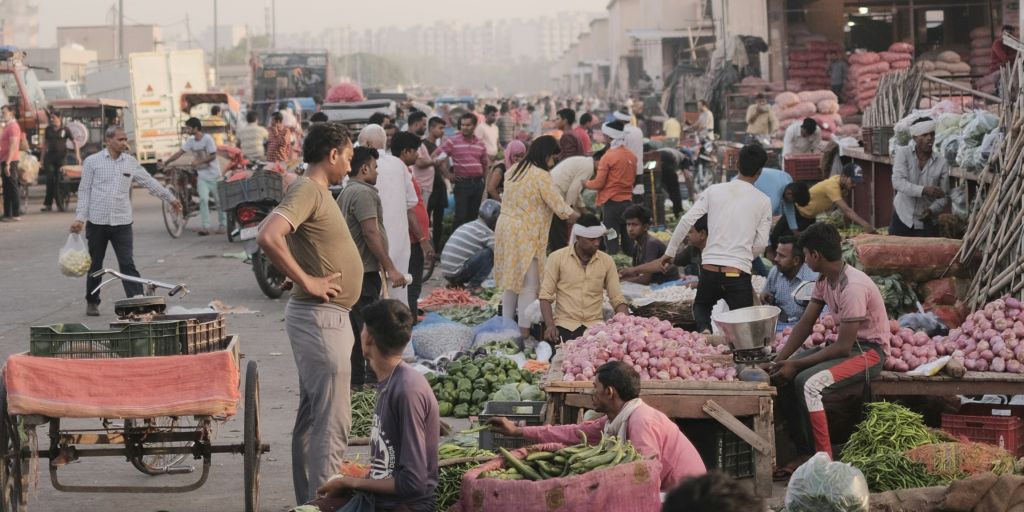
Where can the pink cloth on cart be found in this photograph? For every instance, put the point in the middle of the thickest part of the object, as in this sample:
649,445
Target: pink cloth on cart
137,387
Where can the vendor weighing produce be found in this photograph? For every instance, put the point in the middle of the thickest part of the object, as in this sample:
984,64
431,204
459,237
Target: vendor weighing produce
921,179
616,392
857,306
576,278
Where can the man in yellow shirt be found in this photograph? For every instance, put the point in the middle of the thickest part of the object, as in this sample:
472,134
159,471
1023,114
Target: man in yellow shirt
825,195
217,119
761,119
672,131
576,278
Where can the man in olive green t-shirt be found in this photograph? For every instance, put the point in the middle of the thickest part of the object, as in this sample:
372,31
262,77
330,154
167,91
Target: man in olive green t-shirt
308,240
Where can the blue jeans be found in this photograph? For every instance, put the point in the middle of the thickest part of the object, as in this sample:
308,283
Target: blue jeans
208,187
757,267
476,269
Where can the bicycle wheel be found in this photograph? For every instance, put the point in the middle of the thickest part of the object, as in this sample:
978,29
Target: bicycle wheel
253,449
159,464
268,277
175,222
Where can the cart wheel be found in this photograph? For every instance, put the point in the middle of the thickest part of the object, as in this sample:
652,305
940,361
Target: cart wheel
154,465
253,450
63,191
10,468
267,276
175,222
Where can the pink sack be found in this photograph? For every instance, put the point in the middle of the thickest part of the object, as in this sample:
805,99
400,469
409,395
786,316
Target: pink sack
981,32
826,135
893,56
824,46
631,487
828,121
848,110
899,64
867,77
816,96
800,111
787,99
981,43
981,52
797,64
867,94
784,123
849,130
817,64
864,58
828,107
902,48
878,67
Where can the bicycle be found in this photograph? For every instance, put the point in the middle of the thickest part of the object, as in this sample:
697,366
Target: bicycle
181,182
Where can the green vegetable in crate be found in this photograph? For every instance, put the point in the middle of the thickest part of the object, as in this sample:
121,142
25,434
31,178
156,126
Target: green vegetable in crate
532,393
444,408
573,460
461,411
508,393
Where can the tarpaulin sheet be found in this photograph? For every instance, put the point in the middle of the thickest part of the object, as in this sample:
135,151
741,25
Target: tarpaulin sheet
138,387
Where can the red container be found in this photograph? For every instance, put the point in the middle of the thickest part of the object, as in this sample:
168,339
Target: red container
994,424
804,167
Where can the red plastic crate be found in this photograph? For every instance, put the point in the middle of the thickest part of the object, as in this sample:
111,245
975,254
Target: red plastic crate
804,167
998,425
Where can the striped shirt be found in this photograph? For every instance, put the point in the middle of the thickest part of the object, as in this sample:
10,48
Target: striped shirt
506,130
466,241
103,193
469,158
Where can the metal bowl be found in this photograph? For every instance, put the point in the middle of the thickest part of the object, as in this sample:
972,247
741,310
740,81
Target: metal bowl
748,328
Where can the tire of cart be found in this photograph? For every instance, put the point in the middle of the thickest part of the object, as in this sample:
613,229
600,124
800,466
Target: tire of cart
252,449
14,470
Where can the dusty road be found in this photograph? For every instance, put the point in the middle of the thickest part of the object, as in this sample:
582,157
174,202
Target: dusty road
35,293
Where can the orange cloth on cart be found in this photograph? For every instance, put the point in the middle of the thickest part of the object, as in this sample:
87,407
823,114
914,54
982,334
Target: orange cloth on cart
136,387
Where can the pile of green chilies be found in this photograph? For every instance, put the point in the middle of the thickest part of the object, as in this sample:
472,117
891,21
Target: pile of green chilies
893,471
363,404
449,484
888,428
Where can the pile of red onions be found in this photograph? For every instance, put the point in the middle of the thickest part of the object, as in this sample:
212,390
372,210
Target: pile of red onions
655,349
825,329
990,339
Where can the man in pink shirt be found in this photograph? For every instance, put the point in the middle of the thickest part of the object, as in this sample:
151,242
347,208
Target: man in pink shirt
583,130
857,308
9,151
469,161
616,394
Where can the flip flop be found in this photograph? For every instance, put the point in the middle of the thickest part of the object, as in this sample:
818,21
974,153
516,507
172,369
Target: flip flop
781,474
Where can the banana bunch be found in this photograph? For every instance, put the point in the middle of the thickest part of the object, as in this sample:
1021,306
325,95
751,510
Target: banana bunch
574,460
454,451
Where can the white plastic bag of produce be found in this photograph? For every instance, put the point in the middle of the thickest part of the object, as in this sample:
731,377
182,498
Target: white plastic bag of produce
73,259
825,486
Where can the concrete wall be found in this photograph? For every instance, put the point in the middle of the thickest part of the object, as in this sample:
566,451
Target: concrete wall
599,36
103,39
827,17
64,63
741,18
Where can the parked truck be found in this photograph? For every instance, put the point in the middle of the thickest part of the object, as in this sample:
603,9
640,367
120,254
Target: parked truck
278,75
152,83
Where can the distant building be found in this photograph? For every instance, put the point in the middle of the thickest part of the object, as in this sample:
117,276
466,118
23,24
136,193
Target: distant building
19,23
103,39
62,64
228,36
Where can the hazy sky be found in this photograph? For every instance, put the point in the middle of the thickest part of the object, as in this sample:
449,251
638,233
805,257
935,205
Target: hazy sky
295,15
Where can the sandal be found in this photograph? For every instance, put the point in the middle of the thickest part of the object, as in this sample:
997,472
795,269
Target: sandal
782,474
203,232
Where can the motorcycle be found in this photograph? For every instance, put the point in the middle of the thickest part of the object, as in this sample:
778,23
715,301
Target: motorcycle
248,216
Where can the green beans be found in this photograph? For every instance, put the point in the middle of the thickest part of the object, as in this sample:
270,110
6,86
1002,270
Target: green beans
363,404
888,428
449,484
892,471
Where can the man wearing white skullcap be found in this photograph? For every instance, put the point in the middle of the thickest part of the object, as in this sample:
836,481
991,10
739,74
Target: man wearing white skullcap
614,184
576,279
921,179
632,138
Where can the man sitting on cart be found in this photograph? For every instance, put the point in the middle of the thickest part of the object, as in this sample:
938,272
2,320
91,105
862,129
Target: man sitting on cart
616,395
857,307
403,445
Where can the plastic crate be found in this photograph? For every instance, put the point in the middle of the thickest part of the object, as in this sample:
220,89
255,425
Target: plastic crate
998,425
865,138
732,159
880,136
198,333
492,441
262,186
719,447
77,341
804,166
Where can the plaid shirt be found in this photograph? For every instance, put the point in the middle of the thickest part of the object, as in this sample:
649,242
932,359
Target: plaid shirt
782,289
103,192
278,147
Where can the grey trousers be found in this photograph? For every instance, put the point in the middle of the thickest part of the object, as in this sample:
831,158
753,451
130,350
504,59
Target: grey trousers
321,338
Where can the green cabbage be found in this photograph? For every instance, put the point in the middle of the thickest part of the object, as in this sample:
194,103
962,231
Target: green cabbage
507,393
532,394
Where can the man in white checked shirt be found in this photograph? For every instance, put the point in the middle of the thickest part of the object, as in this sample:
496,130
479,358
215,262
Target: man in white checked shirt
105,210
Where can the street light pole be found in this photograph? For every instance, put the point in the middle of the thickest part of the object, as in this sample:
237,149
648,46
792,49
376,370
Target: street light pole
273,23
216,48
120,29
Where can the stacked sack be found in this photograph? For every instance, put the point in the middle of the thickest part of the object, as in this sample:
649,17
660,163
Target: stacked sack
865,68
946,64
981,51
808,57
821,105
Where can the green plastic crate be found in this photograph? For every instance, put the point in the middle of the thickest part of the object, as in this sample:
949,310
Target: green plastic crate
77,341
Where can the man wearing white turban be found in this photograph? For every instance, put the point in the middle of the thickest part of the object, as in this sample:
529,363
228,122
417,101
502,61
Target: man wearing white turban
397,197
921,179
632,138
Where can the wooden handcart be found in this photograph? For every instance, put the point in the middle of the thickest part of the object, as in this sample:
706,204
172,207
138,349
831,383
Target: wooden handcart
684,399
